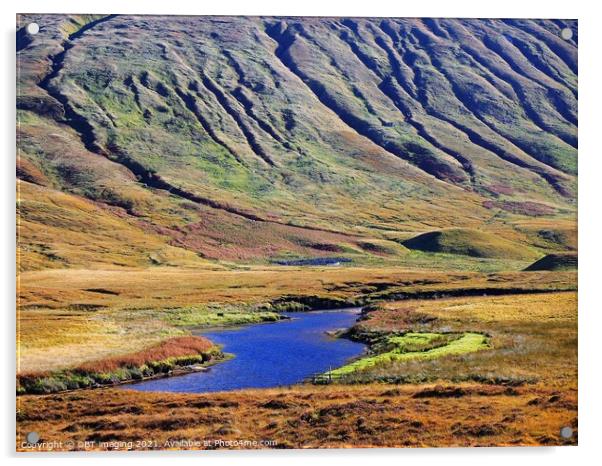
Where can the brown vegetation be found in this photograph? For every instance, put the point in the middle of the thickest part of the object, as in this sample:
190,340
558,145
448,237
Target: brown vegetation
172,348
304,417
163,287
521,391
146,163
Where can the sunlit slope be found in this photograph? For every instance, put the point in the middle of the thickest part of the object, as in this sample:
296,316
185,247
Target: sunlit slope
61,230
254,138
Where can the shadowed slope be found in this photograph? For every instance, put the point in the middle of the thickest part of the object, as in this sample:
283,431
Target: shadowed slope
566,261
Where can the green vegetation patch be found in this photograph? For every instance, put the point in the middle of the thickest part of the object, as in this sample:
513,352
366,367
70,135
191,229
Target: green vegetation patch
208,316
412,346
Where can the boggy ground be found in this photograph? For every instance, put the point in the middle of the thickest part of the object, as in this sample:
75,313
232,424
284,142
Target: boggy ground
69,317
333,416
174,356
531,338
520,390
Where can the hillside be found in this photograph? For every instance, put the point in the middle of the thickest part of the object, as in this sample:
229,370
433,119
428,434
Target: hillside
256,139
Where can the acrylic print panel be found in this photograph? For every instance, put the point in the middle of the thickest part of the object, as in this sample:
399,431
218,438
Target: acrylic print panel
272,232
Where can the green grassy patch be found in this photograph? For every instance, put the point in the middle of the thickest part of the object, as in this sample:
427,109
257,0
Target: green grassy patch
418,346
207,316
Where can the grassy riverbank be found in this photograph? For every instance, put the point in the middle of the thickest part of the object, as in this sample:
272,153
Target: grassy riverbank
416,346
170,357
521,381
421,327
511,340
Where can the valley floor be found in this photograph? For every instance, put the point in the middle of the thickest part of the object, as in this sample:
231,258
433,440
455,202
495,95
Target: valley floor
69,317
518,386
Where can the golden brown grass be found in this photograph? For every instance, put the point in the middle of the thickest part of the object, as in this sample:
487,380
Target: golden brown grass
162,287
49,340
157,360
305,417
545,307
530,371
530,394
58,230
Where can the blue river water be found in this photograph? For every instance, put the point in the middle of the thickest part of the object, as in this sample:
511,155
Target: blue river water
270,354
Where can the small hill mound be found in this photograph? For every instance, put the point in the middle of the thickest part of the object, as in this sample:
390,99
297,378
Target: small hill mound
558,261
382,247
469,242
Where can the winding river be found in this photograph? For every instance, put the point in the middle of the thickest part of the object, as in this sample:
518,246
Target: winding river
270,354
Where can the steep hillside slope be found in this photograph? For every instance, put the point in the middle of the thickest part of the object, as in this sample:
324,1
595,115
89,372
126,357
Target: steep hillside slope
255,138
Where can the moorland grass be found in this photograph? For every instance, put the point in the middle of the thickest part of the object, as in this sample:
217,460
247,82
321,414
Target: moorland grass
206,316
327,416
